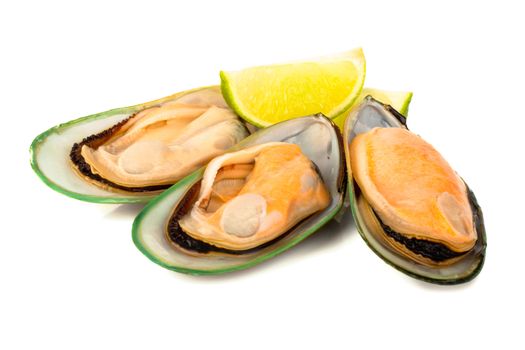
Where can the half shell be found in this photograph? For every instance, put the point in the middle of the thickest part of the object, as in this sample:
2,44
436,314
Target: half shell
435,215
150,227
52,161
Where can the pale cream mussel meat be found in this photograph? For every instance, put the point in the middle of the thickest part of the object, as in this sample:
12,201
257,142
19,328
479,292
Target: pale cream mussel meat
409,204
157,146
247,200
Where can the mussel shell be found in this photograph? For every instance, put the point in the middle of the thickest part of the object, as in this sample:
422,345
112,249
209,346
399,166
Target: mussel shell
372,113
149,228
50,150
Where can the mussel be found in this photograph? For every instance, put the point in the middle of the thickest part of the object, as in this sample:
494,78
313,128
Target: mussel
409,205
131,154
269,192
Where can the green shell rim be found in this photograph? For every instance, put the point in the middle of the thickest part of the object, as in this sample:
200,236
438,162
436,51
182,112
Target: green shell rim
33,150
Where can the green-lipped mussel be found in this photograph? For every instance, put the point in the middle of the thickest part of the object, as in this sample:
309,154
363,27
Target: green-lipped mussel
269,192
409,205
131,154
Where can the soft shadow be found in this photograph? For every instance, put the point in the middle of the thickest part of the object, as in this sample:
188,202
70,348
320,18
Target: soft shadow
327,237
330,235
125,211
438,287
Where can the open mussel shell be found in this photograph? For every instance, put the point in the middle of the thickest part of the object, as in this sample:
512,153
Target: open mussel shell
371,114
50,151
318,138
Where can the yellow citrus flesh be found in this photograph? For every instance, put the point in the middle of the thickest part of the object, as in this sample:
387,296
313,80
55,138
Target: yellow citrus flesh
270,94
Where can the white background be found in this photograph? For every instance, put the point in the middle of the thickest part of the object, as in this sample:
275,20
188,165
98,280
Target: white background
71,277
